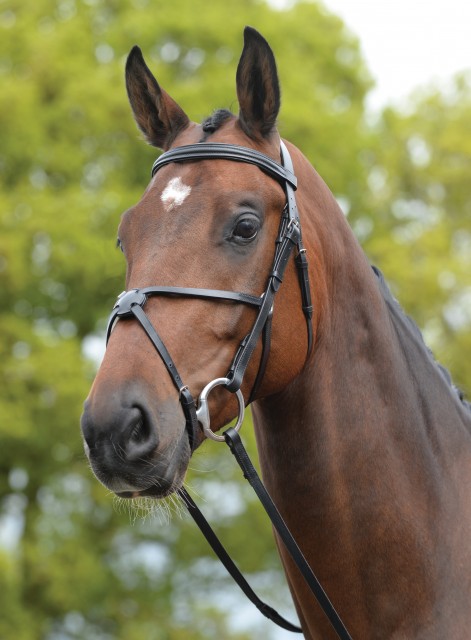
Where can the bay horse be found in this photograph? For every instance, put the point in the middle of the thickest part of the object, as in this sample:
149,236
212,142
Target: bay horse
364,443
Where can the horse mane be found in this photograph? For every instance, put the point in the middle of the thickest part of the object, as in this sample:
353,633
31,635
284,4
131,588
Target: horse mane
398,315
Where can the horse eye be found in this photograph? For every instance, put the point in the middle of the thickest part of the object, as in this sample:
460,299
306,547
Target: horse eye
246,229
119,245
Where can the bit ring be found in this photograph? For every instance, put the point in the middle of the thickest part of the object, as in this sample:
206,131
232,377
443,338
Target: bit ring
202,412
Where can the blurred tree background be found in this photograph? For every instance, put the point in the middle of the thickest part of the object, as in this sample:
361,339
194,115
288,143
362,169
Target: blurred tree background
73,564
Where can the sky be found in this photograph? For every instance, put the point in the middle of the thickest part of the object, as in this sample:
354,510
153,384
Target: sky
408,43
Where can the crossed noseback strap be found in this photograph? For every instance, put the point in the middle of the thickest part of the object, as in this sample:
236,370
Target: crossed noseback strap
131,303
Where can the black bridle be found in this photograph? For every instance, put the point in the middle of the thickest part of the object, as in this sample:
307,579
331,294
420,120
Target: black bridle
131,304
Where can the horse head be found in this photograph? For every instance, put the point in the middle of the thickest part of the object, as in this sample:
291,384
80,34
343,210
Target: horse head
210,224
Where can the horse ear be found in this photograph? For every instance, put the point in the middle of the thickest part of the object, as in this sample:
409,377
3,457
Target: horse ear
157,115
258,89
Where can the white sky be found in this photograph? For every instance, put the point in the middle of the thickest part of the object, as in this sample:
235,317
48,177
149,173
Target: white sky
408,43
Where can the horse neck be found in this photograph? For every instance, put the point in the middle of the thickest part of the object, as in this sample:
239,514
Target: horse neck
367,449
369,378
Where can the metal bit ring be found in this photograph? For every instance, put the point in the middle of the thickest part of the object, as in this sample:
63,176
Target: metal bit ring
202,413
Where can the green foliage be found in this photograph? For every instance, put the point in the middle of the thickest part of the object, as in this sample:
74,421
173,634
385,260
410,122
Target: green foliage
72,566
418,216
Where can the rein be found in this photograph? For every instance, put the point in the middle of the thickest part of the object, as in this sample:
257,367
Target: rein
131,304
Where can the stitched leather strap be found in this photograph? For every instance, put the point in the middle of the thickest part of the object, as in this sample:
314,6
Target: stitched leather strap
186,399
301,259
130,304
238,450
283,251
221,151
231,567
217,294
266,344
289,236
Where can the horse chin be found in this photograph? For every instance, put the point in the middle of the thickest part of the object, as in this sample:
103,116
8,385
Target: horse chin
156,477
157,493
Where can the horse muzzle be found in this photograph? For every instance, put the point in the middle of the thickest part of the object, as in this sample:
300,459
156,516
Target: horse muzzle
127,454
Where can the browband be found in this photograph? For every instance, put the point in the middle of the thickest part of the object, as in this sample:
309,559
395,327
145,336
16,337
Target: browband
234,152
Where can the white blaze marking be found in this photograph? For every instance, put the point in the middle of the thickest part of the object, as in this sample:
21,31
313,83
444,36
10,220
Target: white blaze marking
175,193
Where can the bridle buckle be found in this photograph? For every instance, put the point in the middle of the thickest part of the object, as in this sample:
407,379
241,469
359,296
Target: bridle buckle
128,299
202,412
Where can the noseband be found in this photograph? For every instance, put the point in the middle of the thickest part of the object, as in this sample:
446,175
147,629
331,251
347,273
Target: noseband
131,303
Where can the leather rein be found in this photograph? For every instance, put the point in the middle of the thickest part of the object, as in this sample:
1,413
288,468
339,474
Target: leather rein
130,304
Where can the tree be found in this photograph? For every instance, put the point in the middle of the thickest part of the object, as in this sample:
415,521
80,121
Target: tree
417,223
71,161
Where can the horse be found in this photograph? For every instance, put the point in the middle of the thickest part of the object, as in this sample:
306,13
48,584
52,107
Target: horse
364,444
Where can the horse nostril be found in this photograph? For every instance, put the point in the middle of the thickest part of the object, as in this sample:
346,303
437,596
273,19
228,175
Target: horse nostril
138,433
142,439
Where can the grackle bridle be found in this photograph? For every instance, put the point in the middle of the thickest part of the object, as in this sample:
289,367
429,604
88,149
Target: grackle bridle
130,304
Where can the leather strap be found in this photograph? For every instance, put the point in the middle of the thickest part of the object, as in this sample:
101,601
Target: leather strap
307,306
217,294
230,566
186,399
159,346
266,344
130,304
283,251
301,259
289,236
221,151
238,450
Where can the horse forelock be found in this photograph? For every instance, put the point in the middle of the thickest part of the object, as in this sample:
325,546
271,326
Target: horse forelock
214,122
